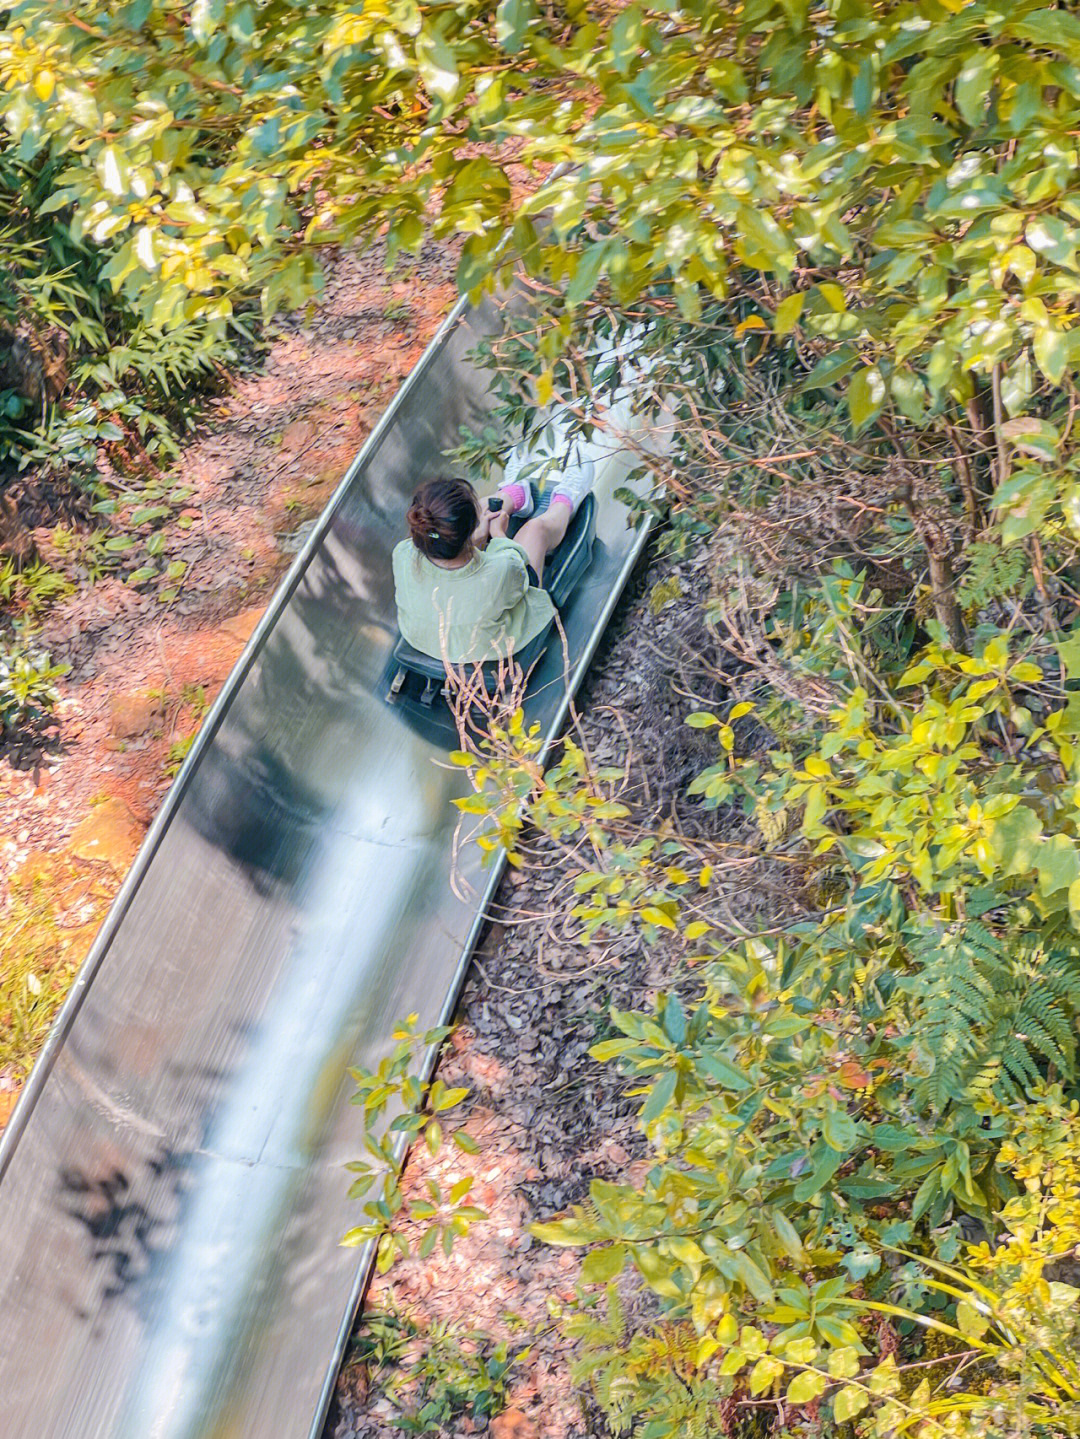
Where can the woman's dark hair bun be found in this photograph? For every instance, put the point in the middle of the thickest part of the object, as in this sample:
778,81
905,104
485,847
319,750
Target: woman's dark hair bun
442,518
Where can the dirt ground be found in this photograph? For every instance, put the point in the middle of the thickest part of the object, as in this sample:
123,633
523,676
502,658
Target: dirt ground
262,466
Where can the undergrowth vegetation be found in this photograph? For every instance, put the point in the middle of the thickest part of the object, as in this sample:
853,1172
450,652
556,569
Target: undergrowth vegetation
83,372
45,931
94,400
438,1373
27,689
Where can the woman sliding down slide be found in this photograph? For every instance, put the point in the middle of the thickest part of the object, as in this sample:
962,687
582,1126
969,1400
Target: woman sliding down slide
466,593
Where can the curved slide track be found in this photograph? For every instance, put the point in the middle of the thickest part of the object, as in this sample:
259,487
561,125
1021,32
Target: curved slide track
172,1189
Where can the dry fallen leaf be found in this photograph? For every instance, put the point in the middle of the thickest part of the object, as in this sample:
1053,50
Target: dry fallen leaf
512,1424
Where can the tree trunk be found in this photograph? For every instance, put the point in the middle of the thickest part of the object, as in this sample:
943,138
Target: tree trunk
966,480
1001,449
943,594
936,543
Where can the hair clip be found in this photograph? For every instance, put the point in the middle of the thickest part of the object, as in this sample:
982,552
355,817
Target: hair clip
433,534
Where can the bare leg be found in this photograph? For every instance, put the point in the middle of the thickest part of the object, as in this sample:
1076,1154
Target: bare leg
538,537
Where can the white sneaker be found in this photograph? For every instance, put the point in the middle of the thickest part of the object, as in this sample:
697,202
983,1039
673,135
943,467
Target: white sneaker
557,464
513,479
575,481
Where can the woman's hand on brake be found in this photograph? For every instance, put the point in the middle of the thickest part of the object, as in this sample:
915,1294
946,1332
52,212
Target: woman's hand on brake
490,524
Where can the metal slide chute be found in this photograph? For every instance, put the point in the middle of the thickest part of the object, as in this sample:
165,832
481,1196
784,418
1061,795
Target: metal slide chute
171,1185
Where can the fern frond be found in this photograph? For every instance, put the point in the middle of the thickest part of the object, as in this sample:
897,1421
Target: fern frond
990,1017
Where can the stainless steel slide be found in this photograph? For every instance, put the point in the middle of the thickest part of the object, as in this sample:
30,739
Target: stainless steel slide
171,1185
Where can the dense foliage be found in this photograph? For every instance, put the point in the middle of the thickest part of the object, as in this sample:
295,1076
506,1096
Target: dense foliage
923,154
894,183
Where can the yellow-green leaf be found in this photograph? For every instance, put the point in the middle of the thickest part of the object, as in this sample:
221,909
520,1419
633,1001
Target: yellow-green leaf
806,1387
602,1265
652,915
765,1373
788,312
849,1402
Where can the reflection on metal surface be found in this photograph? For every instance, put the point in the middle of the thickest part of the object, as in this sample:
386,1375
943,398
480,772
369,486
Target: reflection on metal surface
171,1187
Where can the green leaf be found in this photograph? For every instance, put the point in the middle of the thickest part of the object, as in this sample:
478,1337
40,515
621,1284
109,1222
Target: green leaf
925,1195
674,1019
651,915
602,1265
973,85
800,1351
512,20
833,295
788,1235
701,719
752,1275
1055,29
843,1363
1015,841
438,65
147,514
732,1362
866,395
862,91
969,1321
1069,653
826,1162
1030,436
765,1373
1017,384
1059,864
828,371
564,1233
609,1049
763,243
626,37
206,16
719,1068
884,1379
838,1130
663,1092
1051,349
589,268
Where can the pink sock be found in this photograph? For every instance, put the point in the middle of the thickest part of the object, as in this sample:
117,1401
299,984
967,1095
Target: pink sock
562,500
515,494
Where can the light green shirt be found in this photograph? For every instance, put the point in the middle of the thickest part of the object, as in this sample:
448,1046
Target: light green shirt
484,610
